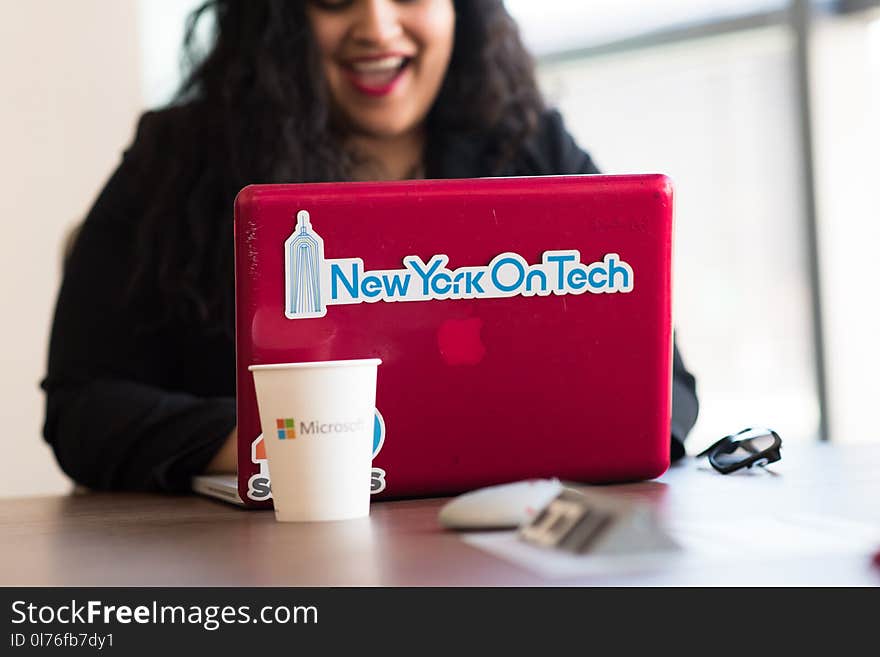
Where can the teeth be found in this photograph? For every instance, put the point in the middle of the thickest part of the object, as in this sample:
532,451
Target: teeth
378,65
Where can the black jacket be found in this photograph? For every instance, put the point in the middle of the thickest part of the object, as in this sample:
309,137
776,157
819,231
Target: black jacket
147,410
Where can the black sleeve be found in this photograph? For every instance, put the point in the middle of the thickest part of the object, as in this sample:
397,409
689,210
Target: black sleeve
554,151
685,405
115,417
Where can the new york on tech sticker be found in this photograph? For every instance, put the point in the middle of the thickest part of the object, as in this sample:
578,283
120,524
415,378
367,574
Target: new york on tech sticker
312,283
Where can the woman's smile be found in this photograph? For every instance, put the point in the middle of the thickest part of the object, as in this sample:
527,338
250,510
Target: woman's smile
377,75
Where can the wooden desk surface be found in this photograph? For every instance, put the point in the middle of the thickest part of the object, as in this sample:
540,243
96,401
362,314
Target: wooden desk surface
125,539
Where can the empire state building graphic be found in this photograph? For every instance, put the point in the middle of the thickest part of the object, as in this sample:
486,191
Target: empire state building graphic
303,259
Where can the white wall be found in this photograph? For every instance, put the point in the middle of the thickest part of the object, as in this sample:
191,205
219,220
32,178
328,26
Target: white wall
71,92
161,25
846,101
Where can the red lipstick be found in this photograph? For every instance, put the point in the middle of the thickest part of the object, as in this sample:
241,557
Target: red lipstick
377,75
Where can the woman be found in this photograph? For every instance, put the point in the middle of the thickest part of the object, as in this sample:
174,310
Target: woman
140,385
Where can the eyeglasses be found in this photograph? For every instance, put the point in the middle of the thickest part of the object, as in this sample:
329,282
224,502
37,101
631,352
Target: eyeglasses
749,447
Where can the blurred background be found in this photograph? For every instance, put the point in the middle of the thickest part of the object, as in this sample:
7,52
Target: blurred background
764,112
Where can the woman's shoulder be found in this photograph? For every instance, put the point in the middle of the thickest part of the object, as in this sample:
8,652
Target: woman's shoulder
157,129
548,149
551,150
146,159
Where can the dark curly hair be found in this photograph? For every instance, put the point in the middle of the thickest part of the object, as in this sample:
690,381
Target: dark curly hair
253,109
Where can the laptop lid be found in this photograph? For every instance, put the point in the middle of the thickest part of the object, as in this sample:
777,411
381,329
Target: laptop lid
524,324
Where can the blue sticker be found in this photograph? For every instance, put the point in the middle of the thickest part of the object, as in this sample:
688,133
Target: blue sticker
378,433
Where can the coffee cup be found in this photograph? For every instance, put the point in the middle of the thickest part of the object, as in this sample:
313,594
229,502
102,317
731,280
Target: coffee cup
317,420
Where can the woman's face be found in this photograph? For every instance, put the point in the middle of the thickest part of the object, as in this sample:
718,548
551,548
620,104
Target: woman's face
383,60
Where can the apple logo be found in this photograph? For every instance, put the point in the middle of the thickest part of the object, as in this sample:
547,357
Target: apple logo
460,342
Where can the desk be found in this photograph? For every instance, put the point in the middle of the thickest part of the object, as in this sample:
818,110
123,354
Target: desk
128,540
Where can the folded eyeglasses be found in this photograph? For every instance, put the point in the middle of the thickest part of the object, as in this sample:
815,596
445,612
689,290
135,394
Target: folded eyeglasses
748,448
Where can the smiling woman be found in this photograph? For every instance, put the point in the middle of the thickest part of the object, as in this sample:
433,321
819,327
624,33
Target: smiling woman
141,380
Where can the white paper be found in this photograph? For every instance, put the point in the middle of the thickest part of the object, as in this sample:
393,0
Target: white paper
703,543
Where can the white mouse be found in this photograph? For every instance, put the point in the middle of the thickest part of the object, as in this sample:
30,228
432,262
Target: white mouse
499,507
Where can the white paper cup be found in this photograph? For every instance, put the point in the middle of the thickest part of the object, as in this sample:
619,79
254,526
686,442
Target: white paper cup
317,421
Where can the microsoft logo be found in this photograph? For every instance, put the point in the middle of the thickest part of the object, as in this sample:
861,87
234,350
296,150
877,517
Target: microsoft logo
286,428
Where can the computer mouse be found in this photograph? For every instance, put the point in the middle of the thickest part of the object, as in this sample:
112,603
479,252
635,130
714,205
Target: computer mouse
500,507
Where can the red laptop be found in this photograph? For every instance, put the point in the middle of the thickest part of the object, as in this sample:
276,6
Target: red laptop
524,324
